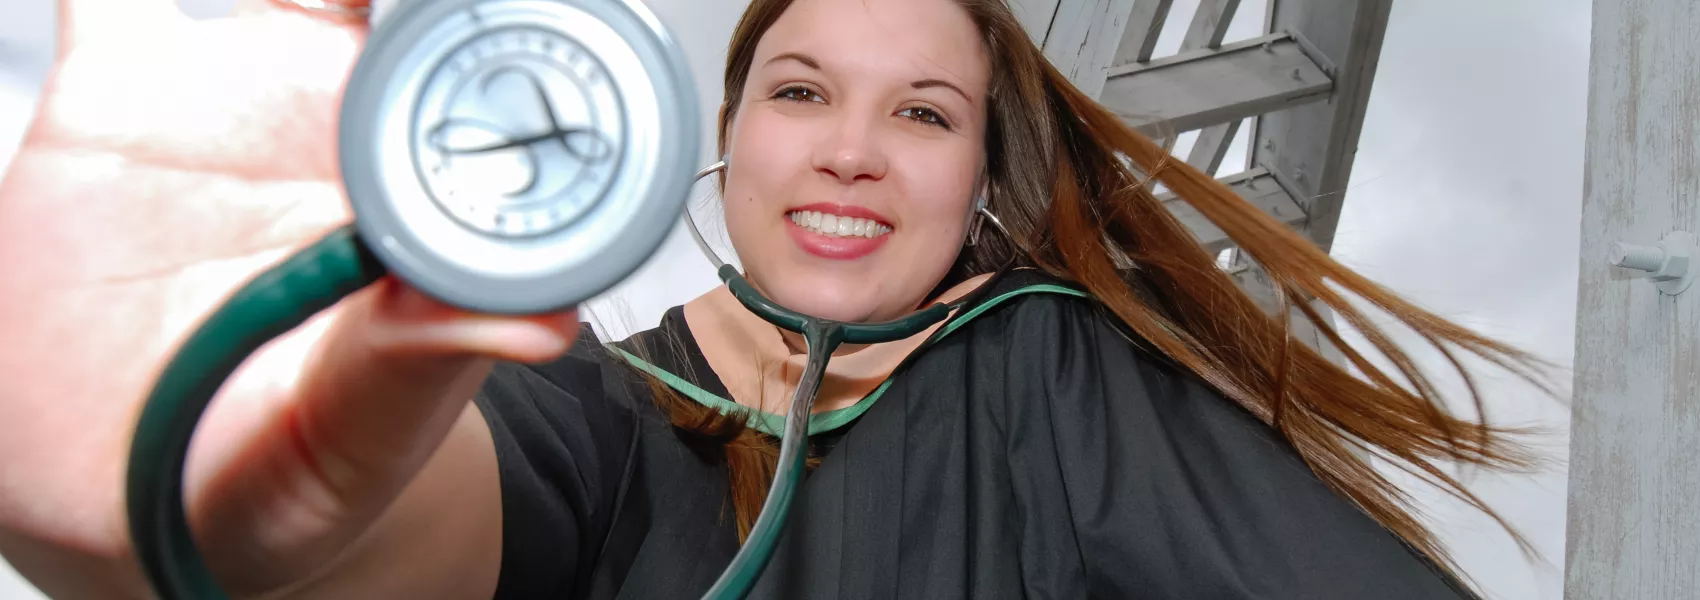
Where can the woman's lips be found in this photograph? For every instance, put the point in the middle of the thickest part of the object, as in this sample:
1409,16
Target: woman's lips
843,210
838,232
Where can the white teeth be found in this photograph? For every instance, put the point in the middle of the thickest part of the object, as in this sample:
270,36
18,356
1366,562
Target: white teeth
838,226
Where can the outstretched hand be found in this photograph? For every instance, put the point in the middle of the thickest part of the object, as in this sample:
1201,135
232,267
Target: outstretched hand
170,160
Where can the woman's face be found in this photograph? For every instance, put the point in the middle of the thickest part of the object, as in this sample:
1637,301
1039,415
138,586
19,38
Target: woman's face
856,154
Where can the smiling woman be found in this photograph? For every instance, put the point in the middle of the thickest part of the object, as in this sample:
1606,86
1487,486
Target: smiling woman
869,117
861,138
1105,414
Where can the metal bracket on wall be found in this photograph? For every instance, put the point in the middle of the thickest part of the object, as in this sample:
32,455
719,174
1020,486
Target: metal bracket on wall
1667,263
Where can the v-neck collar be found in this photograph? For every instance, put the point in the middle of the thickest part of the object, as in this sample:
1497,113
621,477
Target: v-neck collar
705,387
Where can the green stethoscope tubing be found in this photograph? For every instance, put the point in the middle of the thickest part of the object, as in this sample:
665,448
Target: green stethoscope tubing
799,421
285,296
268,306
821,337
341,263
822,422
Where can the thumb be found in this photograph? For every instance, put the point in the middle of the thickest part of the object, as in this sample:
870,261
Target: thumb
405,322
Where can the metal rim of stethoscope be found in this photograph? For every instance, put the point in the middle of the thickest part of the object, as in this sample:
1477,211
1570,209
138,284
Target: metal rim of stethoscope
615,63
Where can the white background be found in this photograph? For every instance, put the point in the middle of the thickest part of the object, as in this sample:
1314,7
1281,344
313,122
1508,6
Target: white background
1465,198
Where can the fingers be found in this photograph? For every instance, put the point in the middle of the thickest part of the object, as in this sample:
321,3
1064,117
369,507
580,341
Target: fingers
357,12
115,21
406,322
141,21
344,12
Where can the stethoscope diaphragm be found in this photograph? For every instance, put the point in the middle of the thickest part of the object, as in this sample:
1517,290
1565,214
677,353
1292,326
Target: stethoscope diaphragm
518,156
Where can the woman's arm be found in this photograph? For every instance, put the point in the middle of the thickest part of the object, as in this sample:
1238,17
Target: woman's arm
283,481
169,161
441,538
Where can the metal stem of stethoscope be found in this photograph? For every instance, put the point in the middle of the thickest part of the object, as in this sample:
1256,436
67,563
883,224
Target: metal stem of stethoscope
691,222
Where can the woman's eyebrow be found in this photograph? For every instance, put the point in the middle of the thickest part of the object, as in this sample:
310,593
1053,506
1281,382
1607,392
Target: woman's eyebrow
932,83
808,61
921,84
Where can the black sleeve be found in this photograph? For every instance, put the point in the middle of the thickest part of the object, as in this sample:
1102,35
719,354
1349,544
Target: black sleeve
1170,490
563,438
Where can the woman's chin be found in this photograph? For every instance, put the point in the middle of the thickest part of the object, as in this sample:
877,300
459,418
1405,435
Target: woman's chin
834,303
831,310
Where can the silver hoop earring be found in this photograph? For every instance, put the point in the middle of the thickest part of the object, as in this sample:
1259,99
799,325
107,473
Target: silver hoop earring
985,215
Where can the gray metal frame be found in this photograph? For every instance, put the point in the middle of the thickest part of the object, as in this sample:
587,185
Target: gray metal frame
1303,86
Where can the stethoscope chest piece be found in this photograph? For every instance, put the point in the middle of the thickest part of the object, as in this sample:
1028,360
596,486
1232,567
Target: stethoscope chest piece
518,156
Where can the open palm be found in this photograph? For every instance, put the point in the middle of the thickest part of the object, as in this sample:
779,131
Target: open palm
170,161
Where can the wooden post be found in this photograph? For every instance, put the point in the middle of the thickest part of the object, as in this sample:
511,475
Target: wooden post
1634,505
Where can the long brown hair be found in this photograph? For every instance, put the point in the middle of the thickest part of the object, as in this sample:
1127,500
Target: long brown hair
1075,209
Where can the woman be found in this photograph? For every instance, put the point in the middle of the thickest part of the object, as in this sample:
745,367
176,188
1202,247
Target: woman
1108,417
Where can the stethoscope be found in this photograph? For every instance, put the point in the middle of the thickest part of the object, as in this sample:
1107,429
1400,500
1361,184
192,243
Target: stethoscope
448,120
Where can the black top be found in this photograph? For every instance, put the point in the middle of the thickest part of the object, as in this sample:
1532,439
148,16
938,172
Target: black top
1033,452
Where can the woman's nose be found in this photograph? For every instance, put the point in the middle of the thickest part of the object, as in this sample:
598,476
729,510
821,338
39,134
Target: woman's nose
851,151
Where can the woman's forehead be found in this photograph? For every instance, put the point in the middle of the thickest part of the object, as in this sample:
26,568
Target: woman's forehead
913,39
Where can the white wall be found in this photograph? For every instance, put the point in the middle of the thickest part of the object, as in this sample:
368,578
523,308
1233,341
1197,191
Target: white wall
679,272
1465,198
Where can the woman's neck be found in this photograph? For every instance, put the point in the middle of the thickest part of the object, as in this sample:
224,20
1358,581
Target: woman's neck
760,364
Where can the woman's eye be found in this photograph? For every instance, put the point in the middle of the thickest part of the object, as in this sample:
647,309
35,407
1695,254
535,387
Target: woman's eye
798,94
926,115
